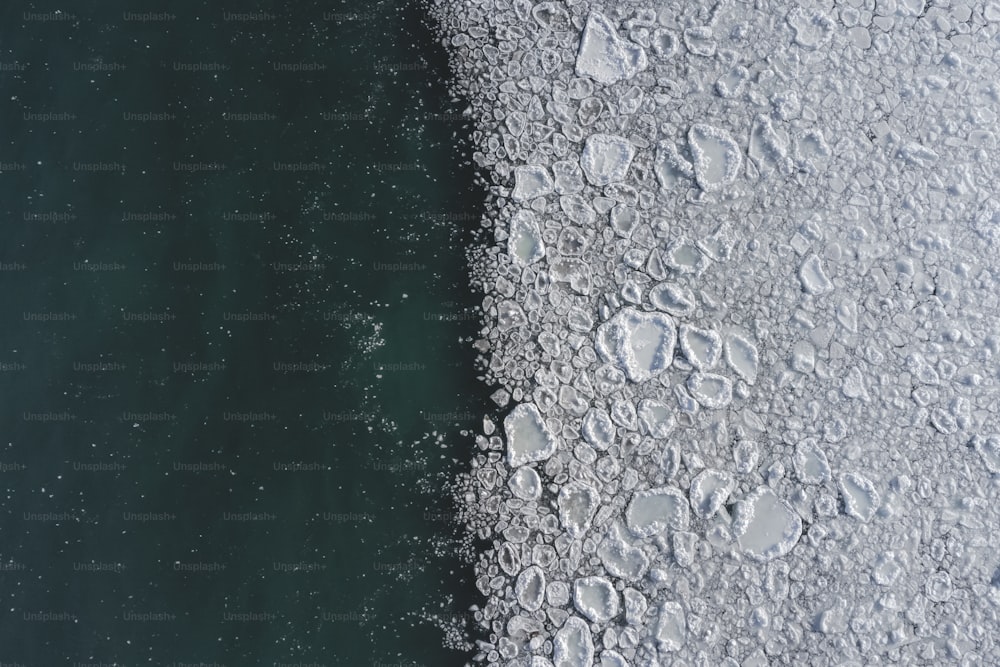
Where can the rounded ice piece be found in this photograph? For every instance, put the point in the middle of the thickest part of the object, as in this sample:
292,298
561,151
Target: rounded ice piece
606,159
810,463
655,418
861,500
524,242
673,299
577,504
813,277
595,598
530,588
531,181
702,347
525,483
710,390
573,645
598,430
709,490
611,658
717,157
652,511
742,357
622,560
671,627
528,439
765,526
641,344
606,57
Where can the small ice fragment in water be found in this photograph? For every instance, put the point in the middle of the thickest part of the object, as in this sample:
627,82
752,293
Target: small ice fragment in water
606,57
595,598
861,500
765,526
606,159
654,510
573,646
528,439
531,181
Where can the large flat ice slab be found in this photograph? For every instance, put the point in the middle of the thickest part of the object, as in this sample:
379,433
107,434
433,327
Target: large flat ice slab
639,343
606,57
765,526
528,439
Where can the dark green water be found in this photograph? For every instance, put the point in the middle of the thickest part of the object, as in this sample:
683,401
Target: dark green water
236,350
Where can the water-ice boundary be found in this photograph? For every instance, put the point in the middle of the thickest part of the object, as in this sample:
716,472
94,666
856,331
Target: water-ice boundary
803,196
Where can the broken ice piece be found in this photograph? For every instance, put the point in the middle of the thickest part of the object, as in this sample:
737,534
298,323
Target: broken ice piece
606,57
709,490
524,242
598,429
528,439
710,390
595,598
641,344
606,159
814,280
673,299
671,627
577,503
702,347
861,500
654,510
765,526
531,181
621,559
573,645
525,483
742,357
810,462
655,418
717,157
530,588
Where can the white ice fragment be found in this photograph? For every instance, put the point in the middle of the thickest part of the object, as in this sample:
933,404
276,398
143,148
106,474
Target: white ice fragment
861,500
539,661
683,543
528,439
525,483
742,357
606,159
598,429
551,15
717,157
635,606
573,645
917,154
524,242
510,315
568,177
652,511
854,385
664,43
700,41
812,28
710,390
595,598
630,101
509,558
765,526
939,587
612,659
623,219
810,463
655,418
746,453
768,147
578,209
670,167
671,627
606,57
684,256
989,451
814,280
621,559
641,344
577,503
531,181
673,299
709,490
530,588
702,347
803,357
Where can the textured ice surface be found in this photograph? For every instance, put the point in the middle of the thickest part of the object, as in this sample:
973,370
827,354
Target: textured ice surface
595,598
741,262
605,56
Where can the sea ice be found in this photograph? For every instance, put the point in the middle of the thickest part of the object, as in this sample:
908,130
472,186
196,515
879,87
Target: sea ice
765,526
861,500
573,645
606,57
525,483
654,510
606,159
530,588
709,490
595,598
530,182
702,347
811,465
671,626
577,504
528,439
640,344
717,157
525,240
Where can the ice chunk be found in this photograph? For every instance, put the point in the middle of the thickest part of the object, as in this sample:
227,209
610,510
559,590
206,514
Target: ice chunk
810,462
598,429
702,347
606,57
684,543
814,280
530,588
624,219
528,439
709,490
765,526
673,299
510,315
630,102
742,357
860,497
746,453
939,587
670,168
622,559
700,41
595,598
606,159
612,659
551,15
671,627
578,209
641,344
573,645
813,28
768,148
524,242
531,181
577,503
710,390
654,510
655,418
664,43
989,451
525,483
635,606
539,661
717,157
